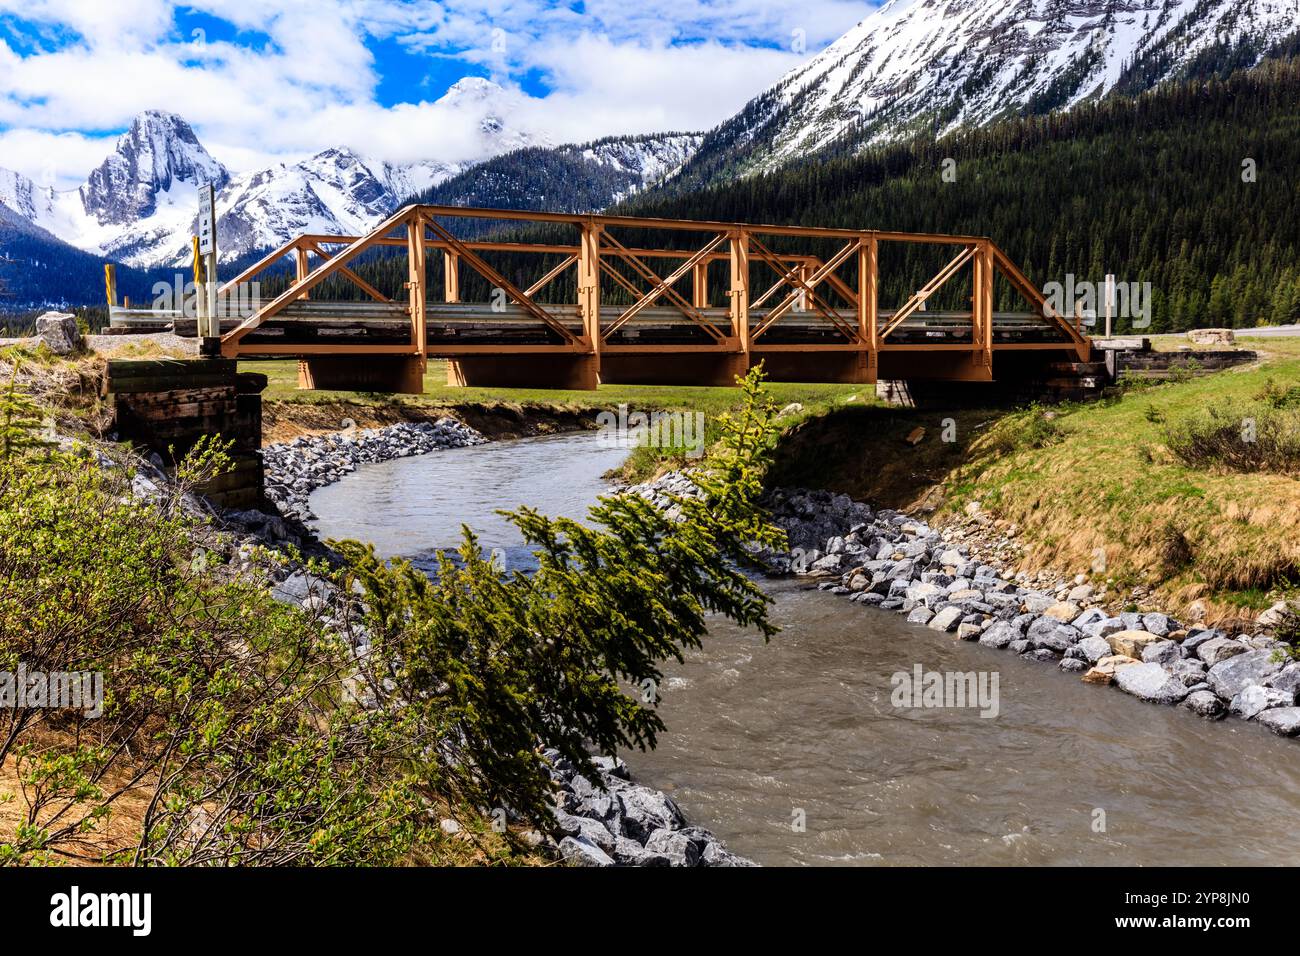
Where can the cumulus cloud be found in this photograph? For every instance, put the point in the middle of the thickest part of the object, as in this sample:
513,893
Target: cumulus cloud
301,75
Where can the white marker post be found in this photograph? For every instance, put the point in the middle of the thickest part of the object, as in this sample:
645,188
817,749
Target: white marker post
1110,301
209,323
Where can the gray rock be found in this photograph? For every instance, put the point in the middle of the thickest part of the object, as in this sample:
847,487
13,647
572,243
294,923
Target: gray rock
1073,666
1195,638
579,851
1132,621
716,855
1105,627
1150,682
1283,721
1042,655
678,847
1255,699
1094,615
830,564
1157,624
999,634
1051,634
1219,649
1079,593
295,589
1020,646
645,810
1189,670
1162,652
613,766
946,620
1277,615
1093,649
952,558
1035,602
1288,678
920,615
1230,677
59,332
630,853
1205,704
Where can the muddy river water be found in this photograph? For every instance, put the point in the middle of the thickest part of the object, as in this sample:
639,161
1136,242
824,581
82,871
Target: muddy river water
794,752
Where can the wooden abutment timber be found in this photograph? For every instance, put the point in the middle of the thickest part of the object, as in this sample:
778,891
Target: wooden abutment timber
167,405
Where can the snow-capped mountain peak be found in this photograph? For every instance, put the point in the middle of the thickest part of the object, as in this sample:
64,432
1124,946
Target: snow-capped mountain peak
158,155
140,204
916,65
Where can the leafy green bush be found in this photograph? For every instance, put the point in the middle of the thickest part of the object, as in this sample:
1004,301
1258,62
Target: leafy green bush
223,727
1279,396
569,656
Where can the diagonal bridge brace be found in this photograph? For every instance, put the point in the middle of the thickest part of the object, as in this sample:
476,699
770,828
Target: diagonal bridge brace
807,288
791,276
660,287
918,299
476,263
230,341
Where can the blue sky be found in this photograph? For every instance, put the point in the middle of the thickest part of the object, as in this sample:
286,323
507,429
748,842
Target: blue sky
271,80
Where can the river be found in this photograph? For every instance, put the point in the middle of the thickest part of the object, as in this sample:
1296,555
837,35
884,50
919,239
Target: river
793,753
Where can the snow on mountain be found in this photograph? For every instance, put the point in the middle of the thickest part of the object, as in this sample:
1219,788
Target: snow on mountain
937,65
159,156
140,205
571,178
334,192
649,159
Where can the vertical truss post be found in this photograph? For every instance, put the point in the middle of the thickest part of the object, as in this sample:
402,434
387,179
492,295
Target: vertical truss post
417,281
739,291
450,277
700,285
301,266
589,285
977,303
982,303
868,298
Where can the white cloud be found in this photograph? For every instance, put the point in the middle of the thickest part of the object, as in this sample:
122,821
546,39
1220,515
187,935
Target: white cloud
60,160
616,68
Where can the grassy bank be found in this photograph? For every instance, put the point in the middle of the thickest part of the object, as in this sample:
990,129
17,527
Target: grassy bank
1150,487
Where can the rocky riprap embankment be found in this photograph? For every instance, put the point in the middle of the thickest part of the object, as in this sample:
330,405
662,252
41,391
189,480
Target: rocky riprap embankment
891,561
295,469
609,822
615,822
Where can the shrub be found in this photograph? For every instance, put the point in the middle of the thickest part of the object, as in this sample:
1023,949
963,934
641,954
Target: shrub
1033,428
1279,396
222,713
1238,436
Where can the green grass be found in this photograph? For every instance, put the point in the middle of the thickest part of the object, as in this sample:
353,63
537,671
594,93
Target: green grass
282,386
816,399
1111,483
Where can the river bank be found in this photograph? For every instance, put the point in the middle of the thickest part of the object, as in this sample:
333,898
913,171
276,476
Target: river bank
937,577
